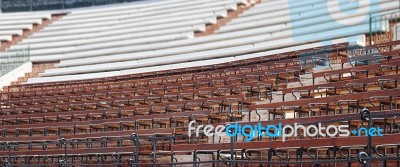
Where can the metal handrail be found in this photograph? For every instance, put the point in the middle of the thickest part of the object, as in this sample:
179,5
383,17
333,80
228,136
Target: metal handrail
375,23
12,59
37,5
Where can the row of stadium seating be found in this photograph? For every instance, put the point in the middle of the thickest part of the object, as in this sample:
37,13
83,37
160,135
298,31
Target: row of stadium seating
209,57
133,77
106,117
169,18
89,47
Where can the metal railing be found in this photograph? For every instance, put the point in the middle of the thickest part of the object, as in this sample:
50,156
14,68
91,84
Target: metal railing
366,154
12,59
379,30
37,5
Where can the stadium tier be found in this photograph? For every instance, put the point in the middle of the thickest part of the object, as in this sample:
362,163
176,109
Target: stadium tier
102,45
202,83
14,24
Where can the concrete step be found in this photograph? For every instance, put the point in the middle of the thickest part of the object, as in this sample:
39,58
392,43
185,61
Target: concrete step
36,70
210,29
26,33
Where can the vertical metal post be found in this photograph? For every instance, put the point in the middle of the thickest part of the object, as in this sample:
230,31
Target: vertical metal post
269,158
334,155
397,156
10,146
63,4
154,149
65,149
63,162
365,115
369,148
1,6
232,152
195,159
370,29
136,141
30,5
